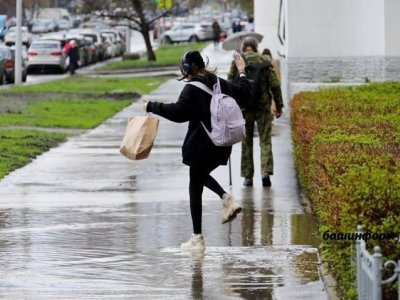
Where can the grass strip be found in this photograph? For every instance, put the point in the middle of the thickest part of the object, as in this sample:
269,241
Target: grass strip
76,110
19,147
74,113
90,85
167,55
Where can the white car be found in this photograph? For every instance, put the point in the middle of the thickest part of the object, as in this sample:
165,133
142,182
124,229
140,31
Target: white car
64,24
188,33
109,41
39,26
11,36
117,40
97,39
46,53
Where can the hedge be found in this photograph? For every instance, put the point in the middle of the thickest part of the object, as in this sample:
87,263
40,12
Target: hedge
347,153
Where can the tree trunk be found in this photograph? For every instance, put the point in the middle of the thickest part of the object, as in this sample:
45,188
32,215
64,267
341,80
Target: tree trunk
151,56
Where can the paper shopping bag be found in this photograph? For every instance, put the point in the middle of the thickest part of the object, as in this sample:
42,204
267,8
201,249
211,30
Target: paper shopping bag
139,137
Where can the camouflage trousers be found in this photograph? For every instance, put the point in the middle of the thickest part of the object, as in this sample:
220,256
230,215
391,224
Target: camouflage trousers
264,125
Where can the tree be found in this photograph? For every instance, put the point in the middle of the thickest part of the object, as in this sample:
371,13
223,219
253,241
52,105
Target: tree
246,5
139,15
89,6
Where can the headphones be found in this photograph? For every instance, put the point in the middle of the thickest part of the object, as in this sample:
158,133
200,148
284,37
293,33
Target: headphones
186,64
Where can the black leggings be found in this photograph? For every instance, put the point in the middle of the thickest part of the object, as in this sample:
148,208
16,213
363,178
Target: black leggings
200,177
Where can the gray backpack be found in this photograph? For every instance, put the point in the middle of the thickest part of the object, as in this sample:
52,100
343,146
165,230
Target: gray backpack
227,122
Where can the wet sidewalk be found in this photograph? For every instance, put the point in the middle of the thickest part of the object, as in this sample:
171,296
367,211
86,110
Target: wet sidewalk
83,222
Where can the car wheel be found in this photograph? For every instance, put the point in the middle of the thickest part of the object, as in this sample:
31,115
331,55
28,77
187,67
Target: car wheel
2,79
193,39
11,79
167,40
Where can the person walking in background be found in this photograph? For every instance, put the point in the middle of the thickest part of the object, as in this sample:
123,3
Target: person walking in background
267,53
249,27
216,33
236,26
73,54
259,113
198,151
222,36
66,49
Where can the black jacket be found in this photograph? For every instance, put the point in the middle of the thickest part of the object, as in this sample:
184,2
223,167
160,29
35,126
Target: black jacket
73,55
193,105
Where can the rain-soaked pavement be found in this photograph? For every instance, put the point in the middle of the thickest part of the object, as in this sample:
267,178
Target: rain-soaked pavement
83,222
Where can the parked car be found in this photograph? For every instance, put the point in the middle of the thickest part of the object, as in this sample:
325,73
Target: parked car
46,53
117,40
111,48
97,39
39,26
8,55
11,36
188,33
83,48
2,68
64,24
3,26
50,25
92,50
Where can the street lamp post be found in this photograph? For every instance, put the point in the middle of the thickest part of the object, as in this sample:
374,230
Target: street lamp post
18,45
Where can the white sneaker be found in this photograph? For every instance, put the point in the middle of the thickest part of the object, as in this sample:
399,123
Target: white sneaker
230,208
195,243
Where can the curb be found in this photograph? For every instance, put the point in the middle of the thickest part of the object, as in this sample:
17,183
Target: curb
136,70
329,284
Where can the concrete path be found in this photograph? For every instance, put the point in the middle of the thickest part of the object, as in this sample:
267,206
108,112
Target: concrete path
83,222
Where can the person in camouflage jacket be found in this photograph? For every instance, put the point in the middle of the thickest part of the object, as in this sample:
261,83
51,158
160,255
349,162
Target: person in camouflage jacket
260,115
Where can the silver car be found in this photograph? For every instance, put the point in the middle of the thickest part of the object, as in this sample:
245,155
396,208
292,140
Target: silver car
188,33
11,36
7,59
43,54
39,26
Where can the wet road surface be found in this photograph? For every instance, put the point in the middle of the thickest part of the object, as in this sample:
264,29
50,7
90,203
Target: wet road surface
83,222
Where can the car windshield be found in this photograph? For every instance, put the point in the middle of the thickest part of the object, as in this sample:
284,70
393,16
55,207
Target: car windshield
93,36
14,29
4,52
45,45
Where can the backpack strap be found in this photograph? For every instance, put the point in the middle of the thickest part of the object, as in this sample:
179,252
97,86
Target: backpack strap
205,88
201,86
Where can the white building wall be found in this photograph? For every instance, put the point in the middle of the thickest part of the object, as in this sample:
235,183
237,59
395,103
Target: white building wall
335,28
266,15
332,41
392,27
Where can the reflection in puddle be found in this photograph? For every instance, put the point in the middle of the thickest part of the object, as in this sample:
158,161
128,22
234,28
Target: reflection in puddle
123,251
263,224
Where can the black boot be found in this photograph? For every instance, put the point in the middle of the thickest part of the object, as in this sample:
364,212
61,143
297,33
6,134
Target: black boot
248,182
266,181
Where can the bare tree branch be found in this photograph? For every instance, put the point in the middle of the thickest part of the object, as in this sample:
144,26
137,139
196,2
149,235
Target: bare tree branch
138,15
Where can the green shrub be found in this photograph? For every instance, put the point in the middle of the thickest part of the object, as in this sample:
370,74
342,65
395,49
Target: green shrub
347,153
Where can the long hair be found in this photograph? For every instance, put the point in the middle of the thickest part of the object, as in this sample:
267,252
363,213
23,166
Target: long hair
267,52
250,42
